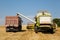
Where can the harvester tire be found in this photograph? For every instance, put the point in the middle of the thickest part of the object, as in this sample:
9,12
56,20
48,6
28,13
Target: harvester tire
53,30
36,29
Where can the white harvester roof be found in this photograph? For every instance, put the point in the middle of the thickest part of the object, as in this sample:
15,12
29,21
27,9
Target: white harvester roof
41,13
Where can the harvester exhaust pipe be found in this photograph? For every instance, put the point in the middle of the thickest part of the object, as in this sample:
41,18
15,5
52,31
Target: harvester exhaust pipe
26,17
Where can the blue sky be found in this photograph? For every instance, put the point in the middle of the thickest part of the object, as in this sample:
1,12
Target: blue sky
28,8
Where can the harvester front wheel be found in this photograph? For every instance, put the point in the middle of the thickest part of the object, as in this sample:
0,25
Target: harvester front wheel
53,30
36,29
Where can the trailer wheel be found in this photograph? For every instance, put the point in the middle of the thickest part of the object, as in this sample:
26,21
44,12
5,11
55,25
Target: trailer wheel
36,29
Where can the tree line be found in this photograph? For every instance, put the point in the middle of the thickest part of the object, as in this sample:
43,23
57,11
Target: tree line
57,21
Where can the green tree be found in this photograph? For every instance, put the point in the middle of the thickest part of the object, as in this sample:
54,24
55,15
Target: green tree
57,21
58,24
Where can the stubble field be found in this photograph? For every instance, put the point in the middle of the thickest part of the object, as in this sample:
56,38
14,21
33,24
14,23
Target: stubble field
28,35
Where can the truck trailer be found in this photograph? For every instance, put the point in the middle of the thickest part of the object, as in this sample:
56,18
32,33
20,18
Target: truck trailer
13,23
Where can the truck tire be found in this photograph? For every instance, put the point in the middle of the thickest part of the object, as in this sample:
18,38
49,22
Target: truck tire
36,29
20,28
15,30
7,29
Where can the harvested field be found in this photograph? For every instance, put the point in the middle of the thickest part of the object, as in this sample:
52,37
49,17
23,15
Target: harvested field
28,35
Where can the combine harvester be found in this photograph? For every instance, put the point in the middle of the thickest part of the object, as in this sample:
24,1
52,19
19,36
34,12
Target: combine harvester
43,21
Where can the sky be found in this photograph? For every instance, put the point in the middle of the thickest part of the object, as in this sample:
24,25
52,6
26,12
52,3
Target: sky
28,8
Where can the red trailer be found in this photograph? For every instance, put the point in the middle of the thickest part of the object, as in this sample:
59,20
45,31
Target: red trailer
13,23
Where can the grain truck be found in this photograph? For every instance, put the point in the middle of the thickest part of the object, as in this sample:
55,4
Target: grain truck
44,22
13,23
